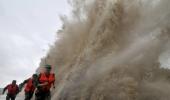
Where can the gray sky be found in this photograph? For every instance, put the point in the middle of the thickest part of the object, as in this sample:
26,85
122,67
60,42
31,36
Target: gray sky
27,27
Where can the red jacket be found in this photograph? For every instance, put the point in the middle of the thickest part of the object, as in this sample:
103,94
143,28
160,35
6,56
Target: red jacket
44,78
12,89
29,86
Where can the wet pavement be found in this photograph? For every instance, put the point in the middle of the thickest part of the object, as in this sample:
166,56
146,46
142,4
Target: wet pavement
2,97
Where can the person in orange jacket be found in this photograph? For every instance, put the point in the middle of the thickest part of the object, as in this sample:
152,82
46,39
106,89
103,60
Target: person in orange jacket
13,90
30,86
46,80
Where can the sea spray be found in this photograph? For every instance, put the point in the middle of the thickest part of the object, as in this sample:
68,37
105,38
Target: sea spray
110,50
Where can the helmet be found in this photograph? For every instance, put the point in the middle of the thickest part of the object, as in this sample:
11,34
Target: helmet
14,81
34,75
48,67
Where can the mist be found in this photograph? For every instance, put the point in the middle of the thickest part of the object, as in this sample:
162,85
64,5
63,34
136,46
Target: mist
112,50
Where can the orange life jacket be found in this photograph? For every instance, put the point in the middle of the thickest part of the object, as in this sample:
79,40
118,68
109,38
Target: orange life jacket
50,79
12,89
29,86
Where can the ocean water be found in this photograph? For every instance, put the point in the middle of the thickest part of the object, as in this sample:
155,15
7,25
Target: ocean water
113,50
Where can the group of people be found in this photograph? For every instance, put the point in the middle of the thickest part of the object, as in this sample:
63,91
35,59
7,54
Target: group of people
38,84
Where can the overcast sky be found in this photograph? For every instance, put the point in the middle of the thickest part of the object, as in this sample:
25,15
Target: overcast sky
27,27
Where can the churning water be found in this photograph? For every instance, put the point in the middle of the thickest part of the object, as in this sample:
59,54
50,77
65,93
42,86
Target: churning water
112,50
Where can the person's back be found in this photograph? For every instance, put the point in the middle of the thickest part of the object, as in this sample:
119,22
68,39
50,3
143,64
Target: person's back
13,90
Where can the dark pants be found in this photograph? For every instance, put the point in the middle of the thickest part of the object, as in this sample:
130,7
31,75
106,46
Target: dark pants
43,95
28,95
10,97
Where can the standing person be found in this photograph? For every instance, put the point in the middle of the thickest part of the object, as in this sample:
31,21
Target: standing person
46,80
30,85
13,90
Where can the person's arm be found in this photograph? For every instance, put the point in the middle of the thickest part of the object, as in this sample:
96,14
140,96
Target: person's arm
17,90
54,85
25,81
22,84
35,82
4,89
41,84
54,81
